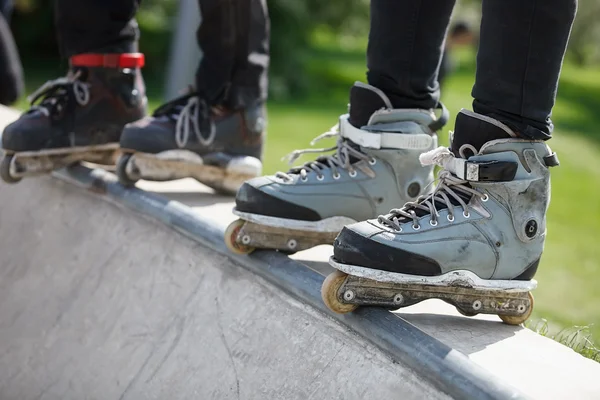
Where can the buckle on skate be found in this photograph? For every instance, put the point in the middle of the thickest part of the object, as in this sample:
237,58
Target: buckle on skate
551,160
384,140
110,60
488,171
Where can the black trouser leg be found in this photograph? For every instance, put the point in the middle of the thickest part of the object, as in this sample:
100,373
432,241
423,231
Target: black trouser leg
96,26
11,72
6,7
234,38
406,42
521,50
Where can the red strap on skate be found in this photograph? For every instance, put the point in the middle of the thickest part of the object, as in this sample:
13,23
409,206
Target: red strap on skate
115,60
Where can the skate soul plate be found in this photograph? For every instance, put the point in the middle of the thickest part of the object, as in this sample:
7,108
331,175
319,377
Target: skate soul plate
471,295
179,164
458,278
330,225
254,231
30,163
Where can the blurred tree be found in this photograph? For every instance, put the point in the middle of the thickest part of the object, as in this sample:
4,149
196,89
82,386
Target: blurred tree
293,23
583,45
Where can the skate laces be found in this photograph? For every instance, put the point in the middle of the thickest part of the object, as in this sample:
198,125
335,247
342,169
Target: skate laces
345,155
187,111
450,192
189,120
55,93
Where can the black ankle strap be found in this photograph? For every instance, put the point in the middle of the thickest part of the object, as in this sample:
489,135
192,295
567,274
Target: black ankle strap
487,171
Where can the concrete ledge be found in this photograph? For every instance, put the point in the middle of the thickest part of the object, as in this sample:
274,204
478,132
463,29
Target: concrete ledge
447,369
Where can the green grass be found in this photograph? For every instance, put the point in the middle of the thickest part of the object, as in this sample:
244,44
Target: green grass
568,277
578,338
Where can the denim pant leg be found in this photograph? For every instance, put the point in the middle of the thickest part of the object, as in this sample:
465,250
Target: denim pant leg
234,39
406,42
521,50
96,26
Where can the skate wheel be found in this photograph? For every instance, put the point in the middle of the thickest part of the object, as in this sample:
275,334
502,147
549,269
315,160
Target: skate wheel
5,170
466,313
329,293
121,170
518,319
231,234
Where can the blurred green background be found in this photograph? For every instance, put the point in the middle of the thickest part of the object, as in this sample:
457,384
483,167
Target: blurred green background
318,52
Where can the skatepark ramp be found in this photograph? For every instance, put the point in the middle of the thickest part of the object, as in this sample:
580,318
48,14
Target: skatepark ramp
115,293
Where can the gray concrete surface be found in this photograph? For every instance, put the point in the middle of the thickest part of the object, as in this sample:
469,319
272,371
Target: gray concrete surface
537,366
98,303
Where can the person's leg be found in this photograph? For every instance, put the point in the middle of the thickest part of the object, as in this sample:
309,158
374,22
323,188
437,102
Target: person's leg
234,39
376,162
522,47
222,122
485,223
249,80
11,71
96,26
406,42
6,7
84,112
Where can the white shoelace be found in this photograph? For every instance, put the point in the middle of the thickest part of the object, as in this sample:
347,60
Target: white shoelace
188,121
449,187
81,92
342,158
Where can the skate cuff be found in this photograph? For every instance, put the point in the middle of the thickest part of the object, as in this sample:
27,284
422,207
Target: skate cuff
111,60
384,140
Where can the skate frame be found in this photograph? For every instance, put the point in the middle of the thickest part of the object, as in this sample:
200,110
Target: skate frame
33,163
468,301
162,168
280,238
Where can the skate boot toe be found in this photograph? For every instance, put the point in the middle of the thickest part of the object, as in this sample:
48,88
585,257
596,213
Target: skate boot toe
355,246
29,133
148,135
251,199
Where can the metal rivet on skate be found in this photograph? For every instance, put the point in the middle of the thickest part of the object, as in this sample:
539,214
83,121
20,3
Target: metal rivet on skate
477,305
531,228
521,308
349,295
398,299
413,190
246,239
291,244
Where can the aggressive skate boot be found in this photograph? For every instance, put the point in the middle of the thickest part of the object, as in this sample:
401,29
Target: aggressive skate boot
185,138
374,165
76,118
475,242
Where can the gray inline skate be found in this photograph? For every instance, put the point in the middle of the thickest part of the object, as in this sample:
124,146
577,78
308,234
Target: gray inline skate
374,166
185,138
475,242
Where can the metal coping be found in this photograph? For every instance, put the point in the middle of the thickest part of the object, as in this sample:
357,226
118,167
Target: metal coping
449,370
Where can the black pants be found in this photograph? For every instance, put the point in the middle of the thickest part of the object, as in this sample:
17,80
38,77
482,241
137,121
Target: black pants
521,49
11,72
233,36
